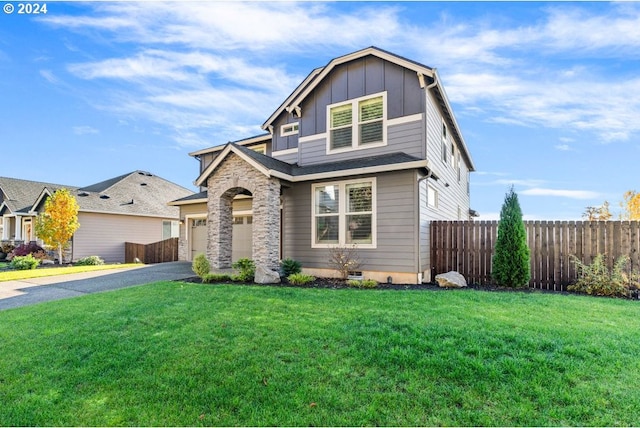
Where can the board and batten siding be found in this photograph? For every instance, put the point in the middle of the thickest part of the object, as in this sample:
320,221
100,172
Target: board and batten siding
453,196
396,226
104,235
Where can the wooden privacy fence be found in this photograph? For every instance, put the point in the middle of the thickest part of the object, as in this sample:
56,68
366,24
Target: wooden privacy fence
467,247
158,252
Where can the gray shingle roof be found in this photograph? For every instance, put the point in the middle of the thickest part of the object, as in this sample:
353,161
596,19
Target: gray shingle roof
136,193
20,195
295,170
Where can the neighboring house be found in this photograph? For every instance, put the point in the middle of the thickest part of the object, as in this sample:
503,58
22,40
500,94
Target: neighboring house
365,152
129,208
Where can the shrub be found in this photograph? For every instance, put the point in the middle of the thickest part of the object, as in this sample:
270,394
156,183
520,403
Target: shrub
90,261
246,270
6,247
596,279
31,248
300,278
209,278
24,262
201,265
290,267
510,267
362,283
344,260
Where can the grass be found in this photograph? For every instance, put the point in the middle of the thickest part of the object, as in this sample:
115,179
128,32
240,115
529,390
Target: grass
14,275
173,353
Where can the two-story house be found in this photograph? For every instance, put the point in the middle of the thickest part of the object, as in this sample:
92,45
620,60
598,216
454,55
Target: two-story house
365,152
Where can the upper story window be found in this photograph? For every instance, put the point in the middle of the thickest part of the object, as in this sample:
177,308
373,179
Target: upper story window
357,123
289,129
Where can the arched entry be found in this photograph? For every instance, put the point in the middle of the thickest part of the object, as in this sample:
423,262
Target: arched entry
232,178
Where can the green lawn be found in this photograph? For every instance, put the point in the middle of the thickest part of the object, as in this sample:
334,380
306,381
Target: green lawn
14,275
175,353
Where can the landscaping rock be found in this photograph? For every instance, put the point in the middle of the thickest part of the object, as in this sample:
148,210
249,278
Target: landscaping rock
451,280
266,276
46,262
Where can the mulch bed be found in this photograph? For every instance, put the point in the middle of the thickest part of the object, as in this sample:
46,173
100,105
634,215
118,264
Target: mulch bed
334,283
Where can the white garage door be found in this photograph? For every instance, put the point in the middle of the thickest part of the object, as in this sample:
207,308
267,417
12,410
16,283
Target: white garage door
198,237
242,237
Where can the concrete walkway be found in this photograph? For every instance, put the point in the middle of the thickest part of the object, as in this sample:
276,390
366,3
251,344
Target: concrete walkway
14,294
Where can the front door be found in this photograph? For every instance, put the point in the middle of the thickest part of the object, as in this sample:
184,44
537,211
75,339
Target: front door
27,232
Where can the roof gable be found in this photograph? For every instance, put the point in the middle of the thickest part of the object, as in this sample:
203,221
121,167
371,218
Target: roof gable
319,74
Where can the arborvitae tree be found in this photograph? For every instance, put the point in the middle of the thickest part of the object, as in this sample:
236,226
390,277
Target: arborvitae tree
511,258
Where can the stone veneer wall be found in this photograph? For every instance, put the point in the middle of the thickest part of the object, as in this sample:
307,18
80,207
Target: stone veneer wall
229,179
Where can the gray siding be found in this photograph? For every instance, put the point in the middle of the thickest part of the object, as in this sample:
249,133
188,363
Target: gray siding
396,226
406,137
451,197
288,157
104,235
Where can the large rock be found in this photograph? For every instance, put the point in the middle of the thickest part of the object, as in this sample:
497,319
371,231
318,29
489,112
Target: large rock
451,280
266,276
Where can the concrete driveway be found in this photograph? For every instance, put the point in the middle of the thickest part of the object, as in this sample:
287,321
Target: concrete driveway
14,294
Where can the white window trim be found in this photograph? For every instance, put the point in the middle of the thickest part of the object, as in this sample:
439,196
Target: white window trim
342,216
354,124
435,197
284,133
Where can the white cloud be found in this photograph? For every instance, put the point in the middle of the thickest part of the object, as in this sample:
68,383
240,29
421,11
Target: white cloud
49,76
573,194
563,147
85,130
207,57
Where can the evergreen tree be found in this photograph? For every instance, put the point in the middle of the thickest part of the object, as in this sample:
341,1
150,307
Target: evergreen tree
510,265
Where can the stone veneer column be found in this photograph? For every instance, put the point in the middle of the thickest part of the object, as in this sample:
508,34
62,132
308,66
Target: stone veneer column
228,180
266,224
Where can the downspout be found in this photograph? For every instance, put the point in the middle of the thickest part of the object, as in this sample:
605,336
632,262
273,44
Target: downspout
426,89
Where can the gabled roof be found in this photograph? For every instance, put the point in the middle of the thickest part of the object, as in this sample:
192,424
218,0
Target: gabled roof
315,78
136,193
21,195
272,167
428,78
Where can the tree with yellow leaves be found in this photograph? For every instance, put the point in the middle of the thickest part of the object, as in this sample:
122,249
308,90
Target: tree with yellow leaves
630,206
600,213
59,221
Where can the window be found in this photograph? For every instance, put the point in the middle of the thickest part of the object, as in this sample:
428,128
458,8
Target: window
432,197
344,214
289,129
170,229
357,123
199,222
444,143
262,148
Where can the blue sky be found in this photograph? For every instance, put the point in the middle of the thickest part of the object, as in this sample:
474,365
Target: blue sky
546,93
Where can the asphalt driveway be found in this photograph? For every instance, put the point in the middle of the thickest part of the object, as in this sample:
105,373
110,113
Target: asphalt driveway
14,294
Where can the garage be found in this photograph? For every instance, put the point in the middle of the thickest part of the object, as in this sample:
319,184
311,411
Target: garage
198,237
